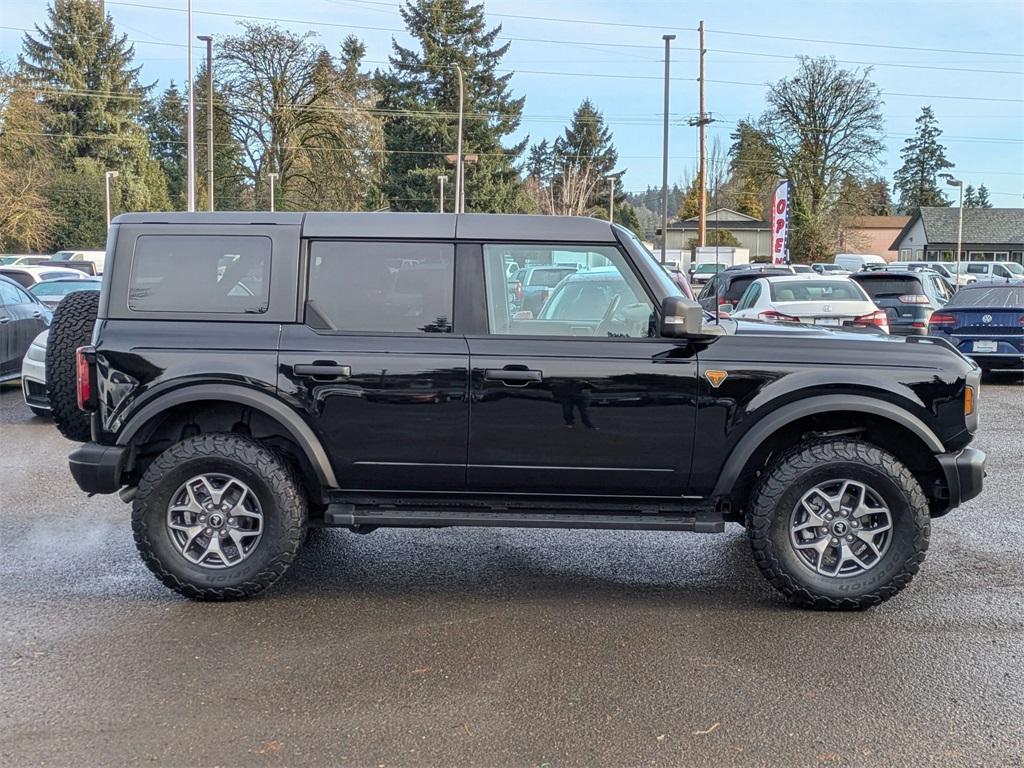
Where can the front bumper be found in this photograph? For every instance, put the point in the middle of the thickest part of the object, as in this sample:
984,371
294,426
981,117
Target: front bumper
33,383
98,468
964,471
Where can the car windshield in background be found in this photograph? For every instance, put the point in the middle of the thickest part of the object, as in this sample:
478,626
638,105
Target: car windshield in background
891,285
815,290
704,269
64,287
549,278
1014,267
1011,296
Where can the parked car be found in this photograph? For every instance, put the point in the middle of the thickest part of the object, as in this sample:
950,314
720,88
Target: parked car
16,260
27,276
97,258
991,270
833,270
50,292
855,262
22,317
33,376
533,285
817,300
233,422
727,287
908,297
952,277
985,321
701,273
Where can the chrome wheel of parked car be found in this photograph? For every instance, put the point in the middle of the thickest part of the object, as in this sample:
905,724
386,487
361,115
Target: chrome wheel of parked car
841,528
215,520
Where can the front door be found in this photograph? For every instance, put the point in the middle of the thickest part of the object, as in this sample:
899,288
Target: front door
581,398
377,366
21,320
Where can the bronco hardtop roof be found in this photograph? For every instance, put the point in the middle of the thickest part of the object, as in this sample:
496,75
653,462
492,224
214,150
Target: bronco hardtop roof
464,226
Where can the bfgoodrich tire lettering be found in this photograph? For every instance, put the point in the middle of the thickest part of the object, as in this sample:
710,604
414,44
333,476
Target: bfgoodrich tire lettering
798,471
281,501
72,325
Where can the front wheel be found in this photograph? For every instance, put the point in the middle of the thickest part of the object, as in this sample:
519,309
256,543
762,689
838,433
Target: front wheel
838,524
218,517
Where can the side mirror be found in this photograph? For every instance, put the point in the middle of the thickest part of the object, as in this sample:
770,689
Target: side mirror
681,318
726,308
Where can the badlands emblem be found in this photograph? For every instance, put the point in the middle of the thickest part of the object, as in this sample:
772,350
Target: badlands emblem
716,377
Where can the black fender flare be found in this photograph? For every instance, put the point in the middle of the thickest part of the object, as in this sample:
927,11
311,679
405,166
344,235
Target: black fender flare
298,430
755,437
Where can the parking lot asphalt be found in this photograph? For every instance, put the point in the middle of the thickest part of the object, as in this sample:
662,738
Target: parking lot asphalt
491,647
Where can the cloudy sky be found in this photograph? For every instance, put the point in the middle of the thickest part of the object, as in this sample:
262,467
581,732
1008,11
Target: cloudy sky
965,59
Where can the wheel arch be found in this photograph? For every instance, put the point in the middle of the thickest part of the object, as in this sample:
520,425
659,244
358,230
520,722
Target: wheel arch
884,423
193,399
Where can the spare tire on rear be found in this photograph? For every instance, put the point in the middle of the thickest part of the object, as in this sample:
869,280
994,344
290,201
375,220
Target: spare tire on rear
71,328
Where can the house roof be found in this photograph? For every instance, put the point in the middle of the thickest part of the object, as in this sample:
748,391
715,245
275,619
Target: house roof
981,225
722,218
878,222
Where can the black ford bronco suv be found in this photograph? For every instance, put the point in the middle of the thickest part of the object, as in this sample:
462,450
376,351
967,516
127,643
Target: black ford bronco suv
246,377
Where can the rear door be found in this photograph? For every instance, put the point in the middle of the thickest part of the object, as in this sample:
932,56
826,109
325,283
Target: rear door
378,366
585,399
27,319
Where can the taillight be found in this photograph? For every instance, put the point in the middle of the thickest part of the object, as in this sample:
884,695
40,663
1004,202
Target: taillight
914,298
722,300
876,319
773,316
83,375
941,318
519,290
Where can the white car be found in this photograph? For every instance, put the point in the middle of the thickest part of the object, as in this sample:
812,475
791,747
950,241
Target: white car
818,300
98,258
991,270
33,376
28,276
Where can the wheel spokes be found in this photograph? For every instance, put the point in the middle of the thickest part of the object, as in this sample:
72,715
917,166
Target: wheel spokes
215,520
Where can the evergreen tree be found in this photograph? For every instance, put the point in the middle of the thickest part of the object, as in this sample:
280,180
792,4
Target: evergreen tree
923,159
970,197
421,93
165,124
753,169
983,201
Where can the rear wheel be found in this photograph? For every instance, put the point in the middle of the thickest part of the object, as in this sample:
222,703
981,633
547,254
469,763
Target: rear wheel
218,517
838,524
71,328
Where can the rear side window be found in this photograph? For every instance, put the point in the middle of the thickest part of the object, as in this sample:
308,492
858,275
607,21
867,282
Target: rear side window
977,269
737,287
364,287
200,273
21,278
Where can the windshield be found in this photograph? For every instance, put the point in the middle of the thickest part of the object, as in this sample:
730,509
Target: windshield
815,290
61,288
1014,267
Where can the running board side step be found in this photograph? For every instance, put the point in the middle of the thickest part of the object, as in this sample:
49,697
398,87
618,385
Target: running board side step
348,515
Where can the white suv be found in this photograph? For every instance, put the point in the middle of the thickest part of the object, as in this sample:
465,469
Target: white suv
992,270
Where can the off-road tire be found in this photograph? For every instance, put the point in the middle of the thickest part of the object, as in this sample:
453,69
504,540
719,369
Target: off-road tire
801,468
274,484
71,328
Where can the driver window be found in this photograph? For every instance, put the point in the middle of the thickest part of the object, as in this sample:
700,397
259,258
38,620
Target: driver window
565,291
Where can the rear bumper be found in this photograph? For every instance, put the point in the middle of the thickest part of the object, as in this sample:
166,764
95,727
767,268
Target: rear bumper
97,468
965,473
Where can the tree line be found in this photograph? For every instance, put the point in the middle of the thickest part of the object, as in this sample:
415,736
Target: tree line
338,136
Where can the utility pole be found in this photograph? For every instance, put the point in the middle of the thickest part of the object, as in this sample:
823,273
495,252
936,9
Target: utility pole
702,121
273,178
440,193
209,120
954,182
611,199
190,132
106,186
664,156
459,178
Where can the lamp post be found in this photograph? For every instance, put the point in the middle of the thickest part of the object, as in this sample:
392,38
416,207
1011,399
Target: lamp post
664,156
106,186
190,122
459,179
209,120
954,182
273,178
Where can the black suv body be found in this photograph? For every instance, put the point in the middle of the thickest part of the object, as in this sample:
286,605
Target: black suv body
908,297
252,375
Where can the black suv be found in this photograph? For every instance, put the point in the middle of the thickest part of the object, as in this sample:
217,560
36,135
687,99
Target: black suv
250,376
908,297
727,287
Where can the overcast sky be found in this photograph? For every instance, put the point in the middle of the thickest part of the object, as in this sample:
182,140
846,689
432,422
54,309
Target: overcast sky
965,59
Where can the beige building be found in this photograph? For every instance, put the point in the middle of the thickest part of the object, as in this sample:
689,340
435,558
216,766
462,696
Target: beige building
753,234
871,234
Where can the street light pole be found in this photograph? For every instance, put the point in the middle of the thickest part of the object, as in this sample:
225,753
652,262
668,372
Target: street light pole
954,182
209,120
273,178
440,194
190,132
106,185
664,156
459,178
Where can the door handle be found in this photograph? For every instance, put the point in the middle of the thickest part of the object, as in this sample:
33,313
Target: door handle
521,377
322,370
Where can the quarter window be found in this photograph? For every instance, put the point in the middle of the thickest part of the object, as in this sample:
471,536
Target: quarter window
200,273
372,287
